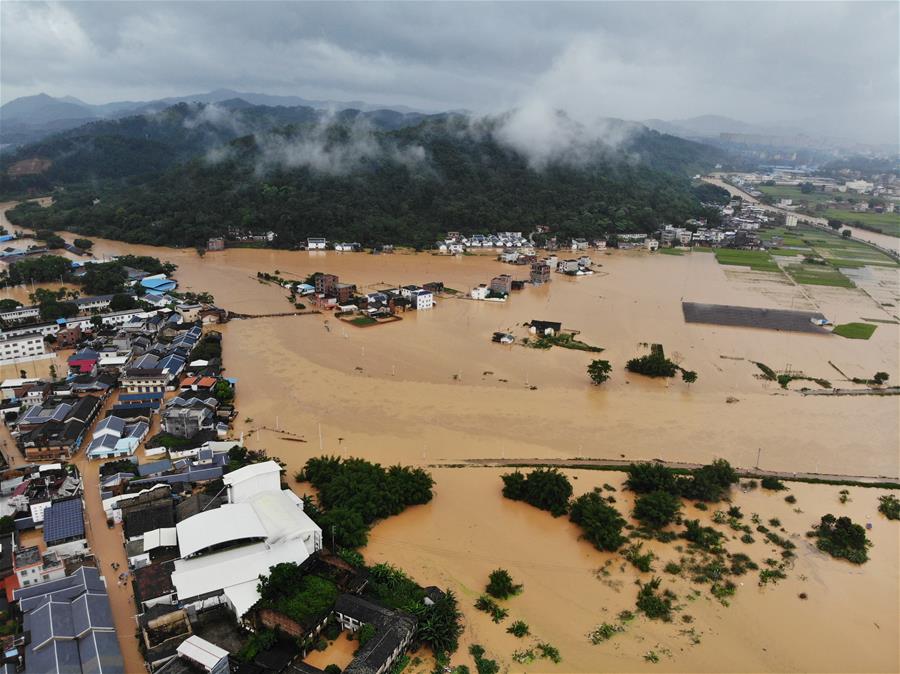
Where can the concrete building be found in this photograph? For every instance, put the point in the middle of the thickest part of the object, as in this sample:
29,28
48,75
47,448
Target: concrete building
540,273
502,284
27,346
151,380
31,567
421,299
479,292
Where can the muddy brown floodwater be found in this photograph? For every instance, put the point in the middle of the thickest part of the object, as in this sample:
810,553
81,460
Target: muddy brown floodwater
848,623
433,389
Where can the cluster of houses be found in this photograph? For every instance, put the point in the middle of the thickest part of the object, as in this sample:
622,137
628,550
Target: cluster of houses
502,285
456,243
24,337
738,228
329,293
140,360
53,593
104,405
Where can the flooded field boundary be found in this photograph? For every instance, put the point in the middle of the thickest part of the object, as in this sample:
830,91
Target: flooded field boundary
619,465
244,317
892,391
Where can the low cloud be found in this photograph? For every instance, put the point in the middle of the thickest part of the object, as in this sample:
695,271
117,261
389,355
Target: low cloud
330,146
217,116
564,117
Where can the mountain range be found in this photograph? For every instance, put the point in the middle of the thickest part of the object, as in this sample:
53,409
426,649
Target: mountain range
31,118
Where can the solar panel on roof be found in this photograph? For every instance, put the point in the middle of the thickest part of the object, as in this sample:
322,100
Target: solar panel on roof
63,520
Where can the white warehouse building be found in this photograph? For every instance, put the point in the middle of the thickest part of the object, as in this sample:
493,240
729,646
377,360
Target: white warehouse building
224,551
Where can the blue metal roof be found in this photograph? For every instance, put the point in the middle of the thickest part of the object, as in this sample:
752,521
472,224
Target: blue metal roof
154,467
193,475
63,520
71,626
158,284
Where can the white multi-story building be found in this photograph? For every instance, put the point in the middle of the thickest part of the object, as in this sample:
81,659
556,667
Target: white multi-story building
22,346
32,567
422,298
479,292
20,314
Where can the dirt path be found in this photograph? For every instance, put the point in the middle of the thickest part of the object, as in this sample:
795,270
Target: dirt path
623,463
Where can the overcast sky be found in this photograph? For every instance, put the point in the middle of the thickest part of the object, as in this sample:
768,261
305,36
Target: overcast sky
832,67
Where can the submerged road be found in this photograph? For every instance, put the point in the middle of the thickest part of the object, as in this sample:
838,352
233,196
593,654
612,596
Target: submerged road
624,463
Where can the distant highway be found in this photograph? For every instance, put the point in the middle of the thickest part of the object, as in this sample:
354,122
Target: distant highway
888,244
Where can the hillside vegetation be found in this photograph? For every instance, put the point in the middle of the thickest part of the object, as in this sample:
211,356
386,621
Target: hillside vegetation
181,176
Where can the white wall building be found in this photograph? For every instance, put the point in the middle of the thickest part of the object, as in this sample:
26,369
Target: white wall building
479,292
257,510
423,299
29,346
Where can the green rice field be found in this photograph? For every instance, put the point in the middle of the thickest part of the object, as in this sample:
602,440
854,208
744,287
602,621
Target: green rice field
757,260
855,330
887,223
817,275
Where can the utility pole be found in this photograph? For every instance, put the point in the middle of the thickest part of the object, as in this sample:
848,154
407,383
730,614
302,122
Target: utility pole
758,452
333,549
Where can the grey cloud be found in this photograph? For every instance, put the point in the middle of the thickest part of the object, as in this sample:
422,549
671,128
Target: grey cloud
830,66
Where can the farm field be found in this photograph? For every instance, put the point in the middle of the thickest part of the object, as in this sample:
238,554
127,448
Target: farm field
855,330
793,192
817,275
888,223
757,260
839,251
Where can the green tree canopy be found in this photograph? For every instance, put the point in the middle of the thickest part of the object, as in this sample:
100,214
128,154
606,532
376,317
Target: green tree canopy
601,523
544,488
657,509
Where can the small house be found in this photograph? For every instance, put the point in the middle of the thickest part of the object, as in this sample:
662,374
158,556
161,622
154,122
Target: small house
548,328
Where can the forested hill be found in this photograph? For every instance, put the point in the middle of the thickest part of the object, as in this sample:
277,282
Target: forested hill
145,144
380,177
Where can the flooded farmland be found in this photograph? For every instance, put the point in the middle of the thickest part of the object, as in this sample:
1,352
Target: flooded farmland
433,389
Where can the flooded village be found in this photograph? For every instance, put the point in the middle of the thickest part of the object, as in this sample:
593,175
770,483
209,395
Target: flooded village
174,432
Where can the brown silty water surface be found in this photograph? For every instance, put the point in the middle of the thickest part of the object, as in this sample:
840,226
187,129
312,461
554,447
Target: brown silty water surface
432,388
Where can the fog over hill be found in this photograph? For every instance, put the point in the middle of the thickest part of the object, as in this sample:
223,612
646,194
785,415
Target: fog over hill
829,69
